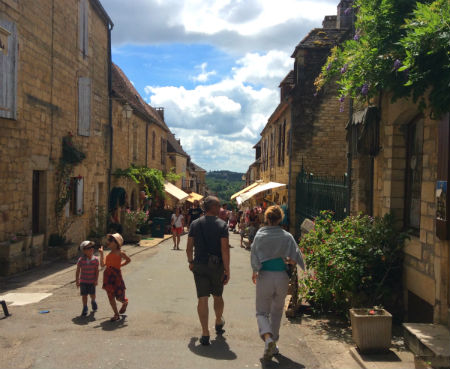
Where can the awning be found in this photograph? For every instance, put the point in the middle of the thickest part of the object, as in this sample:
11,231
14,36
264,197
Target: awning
175,191
261,187
253,185
194,197
364,131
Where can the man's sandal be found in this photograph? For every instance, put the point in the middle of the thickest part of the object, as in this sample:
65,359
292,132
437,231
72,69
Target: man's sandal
205,341
219,327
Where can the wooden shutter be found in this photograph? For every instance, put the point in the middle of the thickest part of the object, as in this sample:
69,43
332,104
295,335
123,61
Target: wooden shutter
83,26
8,72
79,196
84,106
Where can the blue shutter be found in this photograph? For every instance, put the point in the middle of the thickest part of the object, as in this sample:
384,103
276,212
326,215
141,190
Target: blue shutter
84,106
8,72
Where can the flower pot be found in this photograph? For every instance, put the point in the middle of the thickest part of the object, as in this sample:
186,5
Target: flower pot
371,333
10,249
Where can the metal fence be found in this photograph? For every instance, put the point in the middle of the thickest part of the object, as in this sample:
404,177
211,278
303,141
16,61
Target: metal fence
317,193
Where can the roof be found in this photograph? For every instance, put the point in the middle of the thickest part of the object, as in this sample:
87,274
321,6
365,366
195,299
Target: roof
102,12
197,168
258,144
280,109
173,145
124,89
289,79
322,38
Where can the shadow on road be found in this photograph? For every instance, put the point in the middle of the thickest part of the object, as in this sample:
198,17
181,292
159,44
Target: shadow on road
218,350
107,325
280,362
84,320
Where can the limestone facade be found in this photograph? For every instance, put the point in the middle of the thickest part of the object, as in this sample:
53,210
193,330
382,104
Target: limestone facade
56,82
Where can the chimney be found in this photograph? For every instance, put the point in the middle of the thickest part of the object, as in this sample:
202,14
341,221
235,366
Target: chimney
160,111
345,14
329,22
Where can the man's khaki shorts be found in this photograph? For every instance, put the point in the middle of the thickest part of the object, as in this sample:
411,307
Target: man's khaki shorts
208,280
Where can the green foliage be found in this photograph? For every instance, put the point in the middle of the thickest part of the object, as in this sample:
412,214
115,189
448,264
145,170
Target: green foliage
355,262
224,184
99,222
152,180
56,240
400,46
172,176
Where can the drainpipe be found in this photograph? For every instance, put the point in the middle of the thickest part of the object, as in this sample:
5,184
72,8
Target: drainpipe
111,130
349,162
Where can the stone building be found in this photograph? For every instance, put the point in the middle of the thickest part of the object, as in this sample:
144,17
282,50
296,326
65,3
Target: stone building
397,168
197,179
139,134
56,84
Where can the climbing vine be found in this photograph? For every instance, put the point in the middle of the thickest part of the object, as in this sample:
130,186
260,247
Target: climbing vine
399,46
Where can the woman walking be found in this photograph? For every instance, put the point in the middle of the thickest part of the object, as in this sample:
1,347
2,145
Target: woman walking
177,228
273,248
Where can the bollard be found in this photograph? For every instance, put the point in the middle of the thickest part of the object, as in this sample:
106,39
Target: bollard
5,308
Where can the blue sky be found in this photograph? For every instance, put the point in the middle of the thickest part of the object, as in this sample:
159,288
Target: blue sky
214,65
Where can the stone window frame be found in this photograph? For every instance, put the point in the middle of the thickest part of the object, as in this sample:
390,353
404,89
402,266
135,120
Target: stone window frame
153,145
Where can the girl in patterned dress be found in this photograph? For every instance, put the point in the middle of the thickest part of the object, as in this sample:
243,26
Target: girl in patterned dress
113,282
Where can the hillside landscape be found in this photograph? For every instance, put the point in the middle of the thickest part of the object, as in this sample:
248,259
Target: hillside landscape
224,183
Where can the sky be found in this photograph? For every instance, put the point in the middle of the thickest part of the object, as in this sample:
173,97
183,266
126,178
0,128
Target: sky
214,65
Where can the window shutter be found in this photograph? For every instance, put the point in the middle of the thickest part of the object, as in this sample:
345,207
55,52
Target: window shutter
84,106
67,210
84,27
79,197
8,71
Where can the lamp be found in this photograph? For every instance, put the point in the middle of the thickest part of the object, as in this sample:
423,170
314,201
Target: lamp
127,111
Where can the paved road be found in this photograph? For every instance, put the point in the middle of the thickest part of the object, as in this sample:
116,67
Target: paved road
161,329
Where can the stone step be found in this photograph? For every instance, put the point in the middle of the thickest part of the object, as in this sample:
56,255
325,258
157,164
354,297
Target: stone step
430,342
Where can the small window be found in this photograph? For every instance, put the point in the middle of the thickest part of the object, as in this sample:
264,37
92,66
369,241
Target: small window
135,142
8,69
163,151
83,27
153,145
76,205
414,165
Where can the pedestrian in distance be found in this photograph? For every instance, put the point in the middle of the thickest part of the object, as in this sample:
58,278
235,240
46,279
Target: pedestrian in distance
113,282
177,223
86,276
194,213
272,250
208,238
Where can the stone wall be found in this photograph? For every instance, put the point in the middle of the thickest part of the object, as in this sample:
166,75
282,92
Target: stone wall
426,264
50,64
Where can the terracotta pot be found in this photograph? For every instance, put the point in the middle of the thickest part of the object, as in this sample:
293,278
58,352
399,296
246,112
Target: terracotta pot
371,332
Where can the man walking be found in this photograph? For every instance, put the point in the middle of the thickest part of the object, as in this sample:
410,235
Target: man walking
208,236
194,213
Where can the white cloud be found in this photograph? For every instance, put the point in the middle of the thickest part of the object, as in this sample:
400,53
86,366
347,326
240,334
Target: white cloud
219,123
204,74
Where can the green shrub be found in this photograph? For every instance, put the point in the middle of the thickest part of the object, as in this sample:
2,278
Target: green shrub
356,262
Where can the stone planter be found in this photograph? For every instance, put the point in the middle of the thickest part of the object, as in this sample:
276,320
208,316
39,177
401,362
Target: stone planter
10,249
371,333
65,252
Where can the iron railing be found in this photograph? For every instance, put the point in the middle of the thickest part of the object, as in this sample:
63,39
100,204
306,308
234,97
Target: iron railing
317,193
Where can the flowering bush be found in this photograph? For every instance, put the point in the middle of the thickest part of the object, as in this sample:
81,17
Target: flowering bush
355,262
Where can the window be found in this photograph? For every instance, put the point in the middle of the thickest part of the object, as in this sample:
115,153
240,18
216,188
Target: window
8,69
83,24
84,106
289,139
414,164
76,196
163,151
135,142
153,145
283,142
272,153
280,146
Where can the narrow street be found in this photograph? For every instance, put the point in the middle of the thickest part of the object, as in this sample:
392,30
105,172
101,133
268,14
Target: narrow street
161,328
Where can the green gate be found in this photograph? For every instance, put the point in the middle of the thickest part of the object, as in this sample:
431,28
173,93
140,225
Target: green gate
317,193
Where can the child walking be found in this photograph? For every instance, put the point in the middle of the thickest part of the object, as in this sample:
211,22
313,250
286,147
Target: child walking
86,276
113,282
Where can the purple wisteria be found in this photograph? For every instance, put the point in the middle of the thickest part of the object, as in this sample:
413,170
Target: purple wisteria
365,89
348,11
397,64
344,69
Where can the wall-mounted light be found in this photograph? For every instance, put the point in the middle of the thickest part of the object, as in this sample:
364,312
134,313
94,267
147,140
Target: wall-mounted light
127,111
4,34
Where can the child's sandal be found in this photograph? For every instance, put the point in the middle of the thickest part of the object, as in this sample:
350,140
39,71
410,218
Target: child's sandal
115,318
123,308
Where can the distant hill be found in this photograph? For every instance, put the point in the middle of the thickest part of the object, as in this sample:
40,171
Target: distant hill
224,183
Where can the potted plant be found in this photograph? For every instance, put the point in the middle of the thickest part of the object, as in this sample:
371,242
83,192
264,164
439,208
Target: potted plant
371,329
99,222
132,221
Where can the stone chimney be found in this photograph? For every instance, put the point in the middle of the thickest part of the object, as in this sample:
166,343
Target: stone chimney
160,111
345,14
329,22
